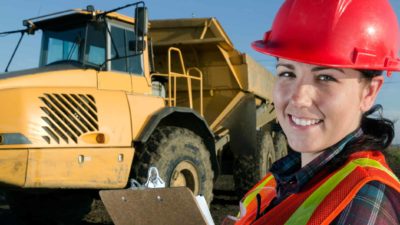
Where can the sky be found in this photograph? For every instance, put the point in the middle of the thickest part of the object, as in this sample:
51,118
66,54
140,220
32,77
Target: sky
243,21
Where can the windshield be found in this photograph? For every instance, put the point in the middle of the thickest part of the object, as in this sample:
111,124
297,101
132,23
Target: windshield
70,45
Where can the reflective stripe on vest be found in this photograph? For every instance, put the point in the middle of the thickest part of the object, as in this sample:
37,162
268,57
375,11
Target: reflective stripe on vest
252,194
362,167
304,212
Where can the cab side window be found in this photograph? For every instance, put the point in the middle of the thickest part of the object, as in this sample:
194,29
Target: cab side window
124,58
96,44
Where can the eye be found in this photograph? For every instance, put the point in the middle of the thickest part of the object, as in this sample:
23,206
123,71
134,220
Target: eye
287,74
324,77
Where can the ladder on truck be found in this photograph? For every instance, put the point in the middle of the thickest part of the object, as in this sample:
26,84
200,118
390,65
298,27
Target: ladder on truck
185,74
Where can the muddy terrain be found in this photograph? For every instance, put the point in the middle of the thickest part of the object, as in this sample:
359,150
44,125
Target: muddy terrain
221,206
225,203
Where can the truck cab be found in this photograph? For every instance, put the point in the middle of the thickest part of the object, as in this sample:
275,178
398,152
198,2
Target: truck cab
107,44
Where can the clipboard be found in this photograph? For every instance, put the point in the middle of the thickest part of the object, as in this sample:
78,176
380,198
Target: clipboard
152,206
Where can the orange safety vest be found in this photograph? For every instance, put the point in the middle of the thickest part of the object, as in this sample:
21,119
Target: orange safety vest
323,198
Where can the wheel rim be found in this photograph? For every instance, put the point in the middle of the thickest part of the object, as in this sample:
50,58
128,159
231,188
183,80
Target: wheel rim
185,174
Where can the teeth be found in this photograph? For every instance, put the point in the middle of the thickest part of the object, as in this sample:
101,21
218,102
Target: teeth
304,122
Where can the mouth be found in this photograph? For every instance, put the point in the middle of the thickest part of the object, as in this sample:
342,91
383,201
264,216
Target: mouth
304,122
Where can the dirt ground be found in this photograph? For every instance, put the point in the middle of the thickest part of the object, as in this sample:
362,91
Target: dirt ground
220,207
224,203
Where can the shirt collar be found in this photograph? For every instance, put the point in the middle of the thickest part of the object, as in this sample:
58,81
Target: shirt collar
291,177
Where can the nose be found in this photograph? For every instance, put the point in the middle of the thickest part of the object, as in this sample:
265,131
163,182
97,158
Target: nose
302,95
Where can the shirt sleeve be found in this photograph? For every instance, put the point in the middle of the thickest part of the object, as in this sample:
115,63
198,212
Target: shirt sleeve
375,203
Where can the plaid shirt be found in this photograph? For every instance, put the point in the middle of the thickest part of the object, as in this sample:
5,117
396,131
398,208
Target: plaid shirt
375,203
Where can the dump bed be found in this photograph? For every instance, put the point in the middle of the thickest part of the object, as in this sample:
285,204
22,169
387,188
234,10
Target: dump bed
203,34
226,72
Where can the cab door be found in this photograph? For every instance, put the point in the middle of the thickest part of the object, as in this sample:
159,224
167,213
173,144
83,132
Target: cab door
117,75
139,70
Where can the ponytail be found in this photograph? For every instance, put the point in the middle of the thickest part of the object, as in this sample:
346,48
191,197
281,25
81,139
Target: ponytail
378,131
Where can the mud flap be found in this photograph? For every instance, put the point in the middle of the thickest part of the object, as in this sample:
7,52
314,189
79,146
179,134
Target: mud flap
152,206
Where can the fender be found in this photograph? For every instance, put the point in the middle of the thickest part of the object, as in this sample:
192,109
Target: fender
185,118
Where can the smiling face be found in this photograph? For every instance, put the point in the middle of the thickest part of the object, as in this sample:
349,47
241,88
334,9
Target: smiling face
318,106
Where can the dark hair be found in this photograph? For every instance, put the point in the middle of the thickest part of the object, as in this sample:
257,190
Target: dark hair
378,132
369,74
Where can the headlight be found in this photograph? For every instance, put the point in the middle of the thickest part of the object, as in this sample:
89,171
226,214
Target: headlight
13,139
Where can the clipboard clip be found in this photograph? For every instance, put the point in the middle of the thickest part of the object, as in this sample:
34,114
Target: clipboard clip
153,180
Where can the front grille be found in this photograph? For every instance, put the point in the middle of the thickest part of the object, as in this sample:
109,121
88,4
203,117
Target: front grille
68,116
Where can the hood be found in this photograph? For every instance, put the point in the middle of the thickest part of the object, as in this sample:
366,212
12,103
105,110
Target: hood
60,75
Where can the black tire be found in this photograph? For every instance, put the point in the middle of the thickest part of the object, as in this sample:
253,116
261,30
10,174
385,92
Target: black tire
249,169
280,144
50,208
181,158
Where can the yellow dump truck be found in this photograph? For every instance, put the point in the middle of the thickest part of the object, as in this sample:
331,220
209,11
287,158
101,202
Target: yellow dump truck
115,95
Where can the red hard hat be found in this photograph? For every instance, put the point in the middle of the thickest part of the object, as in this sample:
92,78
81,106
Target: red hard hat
358,34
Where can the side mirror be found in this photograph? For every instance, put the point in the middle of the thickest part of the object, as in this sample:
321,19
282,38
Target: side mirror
141,21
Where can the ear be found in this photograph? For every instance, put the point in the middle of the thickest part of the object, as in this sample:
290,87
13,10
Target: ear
370,92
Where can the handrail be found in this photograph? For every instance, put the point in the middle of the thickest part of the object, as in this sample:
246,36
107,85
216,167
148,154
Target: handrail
200,78
172,78
170,50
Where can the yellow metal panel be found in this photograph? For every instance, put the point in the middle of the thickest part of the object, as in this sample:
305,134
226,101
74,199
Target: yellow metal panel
13,167
254,77
226,110
23,112
141,85
142,107
113,15
60,78
215,102
18,114
220,77
121,17
232,69
217,28
188,31
114,118
114,81
79,167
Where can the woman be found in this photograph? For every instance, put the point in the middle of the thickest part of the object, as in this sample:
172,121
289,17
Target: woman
330,57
